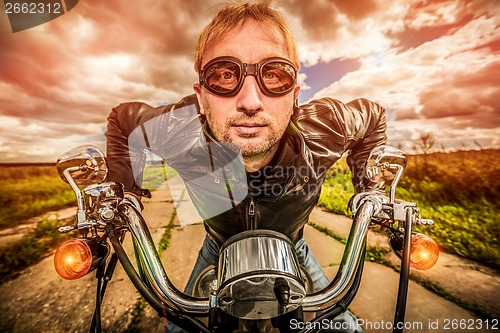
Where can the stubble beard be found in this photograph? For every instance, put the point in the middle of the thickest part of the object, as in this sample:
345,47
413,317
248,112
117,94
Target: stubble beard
251,146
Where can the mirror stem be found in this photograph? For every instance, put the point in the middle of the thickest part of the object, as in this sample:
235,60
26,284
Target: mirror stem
80,214
395,181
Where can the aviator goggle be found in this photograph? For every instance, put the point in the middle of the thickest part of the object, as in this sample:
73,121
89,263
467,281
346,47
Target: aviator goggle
224,76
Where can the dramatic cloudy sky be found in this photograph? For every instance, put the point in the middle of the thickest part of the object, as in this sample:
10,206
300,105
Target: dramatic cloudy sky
434,65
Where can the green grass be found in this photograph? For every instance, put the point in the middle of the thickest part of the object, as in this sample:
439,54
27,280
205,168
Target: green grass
31,248
337,189
27,192
328,232
457,190
156,174
136,316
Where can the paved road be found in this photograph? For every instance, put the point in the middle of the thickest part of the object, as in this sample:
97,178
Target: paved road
39,301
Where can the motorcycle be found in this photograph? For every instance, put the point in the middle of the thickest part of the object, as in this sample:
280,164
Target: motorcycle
258,282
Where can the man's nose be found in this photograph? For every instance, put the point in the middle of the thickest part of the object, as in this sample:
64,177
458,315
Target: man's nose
249,97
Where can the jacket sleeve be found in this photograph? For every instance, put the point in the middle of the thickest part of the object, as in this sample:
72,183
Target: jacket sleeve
134,128
122,120
332,128
365,130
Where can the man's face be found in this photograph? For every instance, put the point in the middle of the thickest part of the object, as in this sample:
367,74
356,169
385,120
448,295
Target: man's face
250,119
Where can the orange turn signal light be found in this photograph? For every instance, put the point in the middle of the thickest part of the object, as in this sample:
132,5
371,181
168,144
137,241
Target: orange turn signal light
424,251
77,257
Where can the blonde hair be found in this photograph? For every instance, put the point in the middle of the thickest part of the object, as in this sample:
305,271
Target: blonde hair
232,15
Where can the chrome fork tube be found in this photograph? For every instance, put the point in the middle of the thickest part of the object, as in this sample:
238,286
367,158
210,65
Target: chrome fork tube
153,268
353,255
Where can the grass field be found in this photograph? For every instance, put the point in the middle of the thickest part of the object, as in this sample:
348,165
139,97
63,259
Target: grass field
459,191
28,191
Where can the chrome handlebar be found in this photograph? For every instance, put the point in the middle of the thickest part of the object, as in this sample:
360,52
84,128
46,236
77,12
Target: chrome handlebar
322,300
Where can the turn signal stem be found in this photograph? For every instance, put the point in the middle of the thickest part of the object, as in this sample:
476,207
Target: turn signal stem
78,257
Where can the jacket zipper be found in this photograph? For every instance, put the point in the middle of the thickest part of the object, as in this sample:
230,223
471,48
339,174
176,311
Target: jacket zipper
251,214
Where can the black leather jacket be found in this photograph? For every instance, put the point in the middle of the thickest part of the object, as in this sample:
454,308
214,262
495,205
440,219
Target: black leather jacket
281,196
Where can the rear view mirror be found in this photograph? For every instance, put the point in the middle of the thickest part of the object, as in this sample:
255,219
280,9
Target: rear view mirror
86,165
384,164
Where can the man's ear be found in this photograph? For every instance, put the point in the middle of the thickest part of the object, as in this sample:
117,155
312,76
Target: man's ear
197,90
296,91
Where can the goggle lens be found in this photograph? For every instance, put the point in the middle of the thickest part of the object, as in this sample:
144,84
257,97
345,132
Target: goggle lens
278,77
224,76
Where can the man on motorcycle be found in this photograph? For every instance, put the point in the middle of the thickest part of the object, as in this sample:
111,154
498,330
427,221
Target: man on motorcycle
245,109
